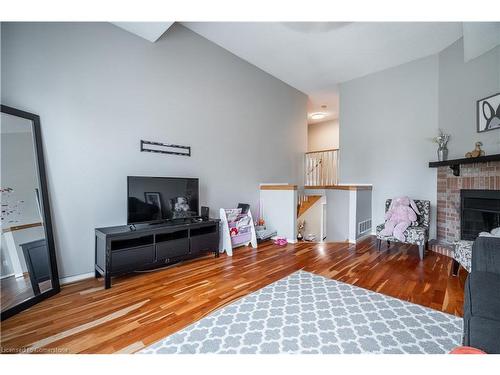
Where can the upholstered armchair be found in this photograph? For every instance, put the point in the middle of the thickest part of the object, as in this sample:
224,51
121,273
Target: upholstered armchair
417,233
482,297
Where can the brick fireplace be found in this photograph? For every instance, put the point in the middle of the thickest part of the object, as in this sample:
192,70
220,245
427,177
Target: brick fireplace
477,176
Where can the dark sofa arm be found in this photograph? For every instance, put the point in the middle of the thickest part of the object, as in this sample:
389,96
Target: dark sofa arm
486,255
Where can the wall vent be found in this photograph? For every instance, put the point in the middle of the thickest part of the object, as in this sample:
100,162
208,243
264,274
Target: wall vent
364,226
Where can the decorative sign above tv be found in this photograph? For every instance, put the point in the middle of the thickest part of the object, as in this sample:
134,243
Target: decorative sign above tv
488,113
162,148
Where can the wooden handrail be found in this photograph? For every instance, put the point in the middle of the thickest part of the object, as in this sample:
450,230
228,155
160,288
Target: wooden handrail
307,202
15,228
340,187
278,187
317,152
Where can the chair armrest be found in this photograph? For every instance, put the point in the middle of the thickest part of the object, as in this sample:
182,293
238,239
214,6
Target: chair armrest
486,255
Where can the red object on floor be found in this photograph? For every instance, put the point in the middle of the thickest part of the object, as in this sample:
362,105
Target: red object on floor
466,350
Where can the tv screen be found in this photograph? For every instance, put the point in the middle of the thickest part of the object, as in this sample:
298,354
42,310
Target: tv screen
154,199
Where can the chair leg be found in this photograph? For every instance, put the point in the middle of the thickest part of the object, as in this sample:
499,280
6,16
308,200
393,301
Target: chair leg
388,244
421,249
379,241
455,266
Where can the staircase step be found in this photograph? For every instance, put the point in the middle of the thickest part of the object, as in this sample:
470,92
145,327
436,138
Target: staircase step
307,203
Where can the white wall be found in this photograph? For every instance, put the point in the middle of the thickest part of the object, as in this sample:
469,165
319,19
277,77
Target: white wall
363,209
99,90
345,209
323,135
386,119
338,215
460,86
279,210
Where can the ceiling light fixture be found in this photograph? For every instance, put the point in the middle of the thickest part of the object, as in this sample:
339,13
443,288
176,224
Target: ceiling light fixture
318,116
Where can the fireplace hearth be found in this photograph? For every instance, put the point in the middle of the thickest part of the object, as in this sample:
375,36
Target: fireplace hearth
479,212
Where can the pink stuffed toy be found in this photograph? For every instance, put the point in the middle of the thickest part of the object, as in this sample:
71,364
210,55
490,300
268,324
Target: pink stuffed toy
399,217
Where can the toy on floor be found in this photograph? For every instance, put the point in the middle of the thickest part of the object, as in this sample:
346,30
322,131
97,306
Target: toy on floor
311,237
265,234
280,241
399,217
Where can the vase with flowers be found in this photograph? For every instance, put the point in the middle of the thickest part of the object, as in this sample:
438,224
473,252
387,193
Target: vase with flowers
442,141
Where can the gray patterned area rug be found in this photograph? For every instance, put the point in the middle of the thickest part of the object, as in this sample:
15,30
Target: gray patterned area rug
307,313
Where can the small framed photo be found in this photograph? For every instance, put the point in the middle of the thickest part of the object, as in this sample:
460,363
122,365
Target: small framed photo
488,113
154,199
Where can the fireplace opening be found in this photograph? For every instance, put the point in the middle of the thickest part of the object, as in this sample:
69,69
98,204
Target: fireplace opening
480,212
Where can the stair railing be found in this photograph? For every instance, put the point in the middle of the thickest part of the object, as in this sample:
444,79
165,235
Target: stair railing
321,167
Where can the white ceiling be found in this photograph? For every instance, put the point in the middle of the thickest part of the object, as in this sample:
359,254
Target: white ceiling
148,30
314,57
480,37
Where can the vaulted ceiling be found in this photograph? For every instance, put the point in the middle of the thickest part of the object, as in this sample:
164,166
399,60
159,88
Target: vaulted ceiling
151,31
314,57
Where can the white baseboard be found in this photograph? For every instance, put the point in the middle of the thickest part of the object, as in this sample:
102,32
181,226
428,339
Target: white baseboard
72,279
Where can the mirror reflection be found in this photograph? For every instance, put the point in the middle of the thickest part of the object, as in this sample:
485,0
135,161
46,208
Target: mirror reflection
25,262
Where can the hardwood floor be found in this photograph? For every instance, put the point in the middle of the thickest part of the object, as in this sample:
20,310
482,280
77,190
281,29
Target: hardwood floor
15,290
142,308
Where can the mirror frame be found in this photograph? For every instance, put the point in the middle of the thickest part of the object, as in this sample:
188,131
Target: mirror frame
47,220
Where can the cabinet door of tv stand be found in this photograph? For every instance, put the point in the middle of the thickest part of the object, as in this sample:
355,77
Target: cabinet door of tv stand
171,244
205,238
120,251
127,252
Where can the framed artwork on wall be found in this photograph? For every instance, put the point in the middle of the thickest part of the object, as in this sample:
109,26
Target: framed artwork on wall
488,113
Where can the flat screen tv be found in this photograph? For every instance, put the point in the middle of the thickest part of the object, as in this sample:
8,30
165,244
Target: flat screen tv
157,199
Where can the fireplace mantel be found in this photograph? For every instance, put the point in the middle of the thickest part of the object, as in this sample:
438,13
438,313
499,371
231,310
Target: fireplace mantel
455,163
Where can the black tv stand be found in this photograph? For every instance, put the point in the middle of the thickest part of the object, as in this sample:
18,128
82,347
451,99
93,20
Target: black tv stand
170,222
121,249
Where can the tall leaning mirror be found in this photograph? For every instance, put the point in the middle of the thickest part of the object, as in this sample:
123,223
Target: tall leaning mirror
28,262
